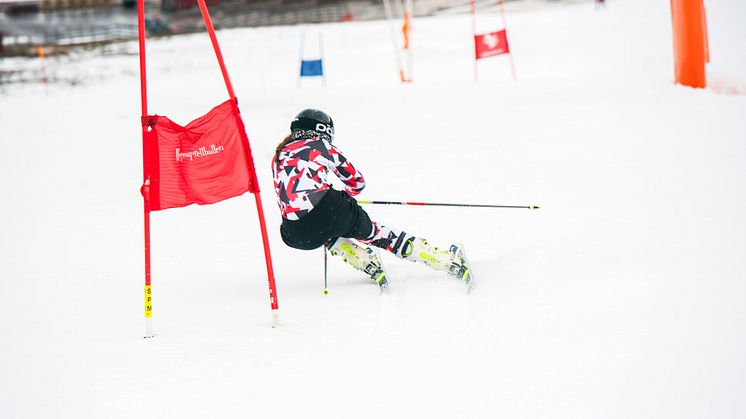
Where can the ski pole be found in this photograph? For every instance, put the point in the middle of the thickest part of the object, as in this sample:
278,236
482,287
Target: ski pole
326,289
440,204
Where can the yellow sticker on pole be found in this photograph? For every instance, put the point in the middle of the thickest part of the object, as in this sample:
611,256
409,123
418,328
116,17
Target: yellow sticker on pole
148,302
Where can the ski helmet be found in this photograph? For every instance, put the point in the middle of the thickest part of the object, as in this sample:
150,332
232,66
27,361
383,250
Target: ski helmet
313,120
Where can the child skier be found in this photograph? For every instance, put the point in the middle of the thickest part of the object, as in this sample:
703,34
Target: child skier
315,214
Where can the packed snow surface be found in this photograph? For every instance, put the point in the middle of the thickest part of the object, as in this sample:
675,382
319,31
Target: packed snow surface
622,297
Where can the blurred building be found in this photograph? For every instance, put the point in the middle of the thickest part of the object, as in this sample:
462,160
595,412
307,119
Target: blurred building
63,24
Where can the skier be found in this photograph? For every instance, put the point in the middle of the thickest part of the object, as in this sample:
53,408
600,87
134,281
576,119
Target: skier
316,214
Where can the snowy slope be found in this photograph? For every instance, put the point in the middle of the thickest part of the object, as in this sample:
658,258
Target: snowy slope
622,297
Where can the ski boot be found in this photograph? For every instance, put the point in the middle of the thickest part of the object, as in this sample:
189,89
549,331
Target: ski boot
361,258
461,270
452,261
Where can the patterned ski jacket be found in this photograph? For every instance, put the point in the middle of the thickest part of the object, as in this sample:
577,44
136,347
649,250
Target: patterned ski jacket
301,180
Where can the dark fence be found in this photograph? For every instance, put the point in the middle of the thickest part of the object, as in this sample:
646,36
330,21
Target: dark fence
66,36
292,14
71,28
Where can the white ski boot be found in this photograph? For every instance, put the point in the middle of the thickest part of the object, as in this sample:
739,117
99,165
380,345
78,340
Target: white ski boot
361,258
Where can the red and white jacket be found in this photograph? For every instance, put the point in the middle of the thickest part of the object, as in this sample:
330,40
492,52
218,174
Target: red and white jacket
301,180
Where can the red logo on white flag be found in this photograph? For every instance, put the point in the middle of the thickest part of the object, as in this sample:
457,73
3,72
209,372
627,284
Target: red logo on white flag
491,44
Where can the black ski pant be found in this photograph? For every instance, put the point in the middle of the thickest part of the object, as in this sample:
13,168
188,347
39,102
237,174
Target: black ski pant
336,215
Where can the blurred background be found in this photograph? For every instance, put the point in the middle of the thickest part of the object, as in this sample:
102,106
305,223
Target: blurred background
59,25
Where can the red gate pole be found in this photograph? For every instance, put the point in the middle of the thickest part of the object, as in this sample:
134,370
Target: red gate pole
510,50
268,261
474,33
146,181
259,208
216,47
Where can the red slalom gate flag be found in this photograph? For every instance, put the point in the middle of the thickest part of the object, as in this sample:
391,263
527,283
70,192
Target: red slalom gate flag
204,162
491,44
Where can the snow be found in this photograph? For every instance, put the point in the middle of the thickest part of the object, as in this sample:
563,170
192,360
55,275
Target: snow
623,296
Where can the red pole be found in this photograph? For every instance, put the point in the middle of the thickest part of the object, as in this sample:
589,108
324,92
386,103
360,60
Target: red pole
474,33
510,51
216,47
268,260
146,181
259,208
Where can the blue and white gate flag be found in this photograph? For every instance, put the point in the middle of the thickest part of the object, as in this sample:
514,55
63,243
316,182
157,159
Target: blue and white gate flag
311,68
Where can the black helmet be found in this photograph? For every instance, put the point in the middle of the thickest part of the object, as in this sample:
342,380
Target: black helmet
313,120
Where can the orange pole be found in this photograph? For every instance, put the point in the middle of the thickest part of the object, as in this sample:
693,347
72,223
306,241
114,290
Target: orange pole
707,37
689,37
40,51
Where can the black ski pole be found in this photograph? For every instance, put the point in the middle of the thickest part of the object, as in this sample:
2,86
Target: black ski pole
326,289
440,204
